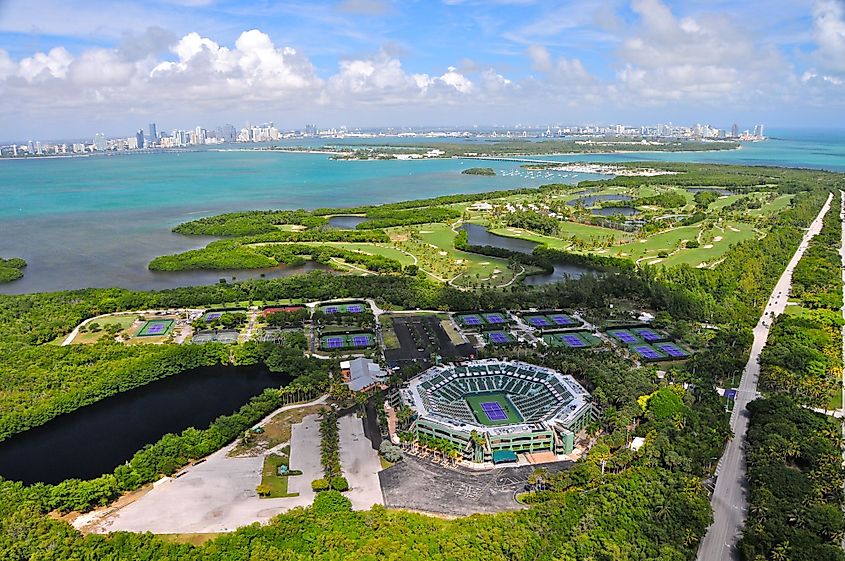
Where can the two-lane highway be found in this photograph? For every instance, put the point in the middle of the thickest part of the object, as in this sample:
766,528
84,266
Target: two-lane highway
728,501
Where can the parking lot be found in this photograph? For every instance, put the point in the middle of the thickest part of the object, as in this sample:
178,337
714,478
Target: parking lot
421,485
420,337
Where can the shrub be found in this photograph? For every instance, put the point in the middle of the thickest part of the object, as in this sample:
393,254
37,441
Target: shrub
319,485
331,501
339,483
390,452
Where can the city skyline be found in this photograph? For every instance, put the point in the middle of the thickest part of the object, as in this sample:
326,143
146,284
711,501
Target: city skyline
377,63
268,132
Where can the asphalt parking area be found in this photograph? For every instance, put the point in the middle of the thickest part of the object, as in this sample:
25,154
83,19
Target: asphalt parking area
421,485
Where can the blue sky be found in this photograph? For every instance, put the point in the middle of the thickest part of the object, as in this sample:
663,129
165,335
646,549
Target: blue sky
73,68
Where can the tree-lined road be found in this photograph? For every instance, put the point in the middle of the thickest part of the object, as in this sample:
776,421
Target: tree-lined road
728,501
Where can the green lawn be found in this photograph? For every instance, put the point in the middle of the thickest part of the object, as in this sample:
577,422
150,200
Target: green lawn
710,255
440,250
276,484
124,321
475,400
714,244
772,207
388,335
567,230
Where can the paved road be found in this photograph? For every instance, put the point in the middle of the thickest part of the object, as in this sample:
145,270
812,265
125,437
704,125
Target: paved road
842,256
728,501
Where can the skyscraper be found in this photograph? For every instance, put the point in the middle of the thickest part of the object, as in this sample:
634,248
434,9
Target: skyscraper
153,132
140,137
735,130
99,141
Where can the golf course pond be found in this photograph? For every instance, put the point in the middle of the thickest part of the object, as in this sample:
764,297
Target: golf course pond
479,235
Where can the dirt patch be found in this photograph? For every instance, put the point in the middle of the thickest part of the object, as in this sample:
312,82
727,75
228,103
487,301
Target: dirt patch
276,431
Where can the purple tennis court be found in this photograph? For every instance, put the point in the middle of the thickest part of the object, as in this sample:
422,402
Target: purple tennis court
331,310
333,342
211,316
561,319
672,350
648,352
493,410
355,308
625,336
649,335
470,320
361,340
494,318
573,341
499,337
538,321
155,327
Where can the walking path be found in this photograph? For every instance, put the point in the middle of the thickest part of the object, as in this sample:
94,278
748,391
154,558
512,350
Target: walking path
217,494
728,501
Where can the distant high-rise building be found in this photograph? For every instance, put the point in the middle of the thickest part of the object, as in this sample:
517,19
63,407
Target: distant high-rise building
229,133
139,137
735,130
99,141
153,132
760,131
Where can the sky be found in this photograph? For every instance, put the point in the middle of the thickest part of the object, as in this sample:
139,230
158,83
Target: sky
71,68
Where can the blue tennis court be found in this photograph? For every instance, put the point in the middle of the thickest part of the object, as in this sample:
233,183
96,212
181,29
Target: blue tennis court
493,410
494,318
470,320
672,350
538,321
499,337
561,319
625,336
331,310
361,340
648,352
573,340
211,316
355,308
333,342
649,335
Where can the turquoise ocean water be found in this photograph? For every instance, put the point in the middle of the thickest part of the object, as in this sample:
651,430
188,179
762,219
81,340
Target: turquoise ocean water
97,221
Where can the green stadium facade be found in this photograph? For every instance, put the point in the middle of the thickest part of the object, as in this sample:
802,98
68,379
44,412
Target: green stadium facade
553,407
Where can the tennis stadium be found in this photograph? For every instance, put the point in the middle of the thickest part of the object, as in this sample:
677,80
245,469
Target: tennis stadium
493,410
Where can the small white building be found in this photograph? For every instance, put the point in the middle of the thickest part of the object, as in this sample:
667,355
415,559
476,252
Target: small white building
480,207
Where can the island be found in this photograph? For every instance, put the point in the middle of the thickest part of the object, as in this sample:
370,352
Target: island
11,269
479,171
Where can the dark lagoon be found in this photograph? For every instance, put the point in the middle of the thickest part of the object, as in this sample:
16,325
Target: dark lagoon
95,439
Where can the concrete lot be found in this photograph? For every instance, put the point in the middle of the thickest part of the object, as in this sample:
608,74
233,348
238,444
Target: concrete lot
217,495
360,464
421,485
305,456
